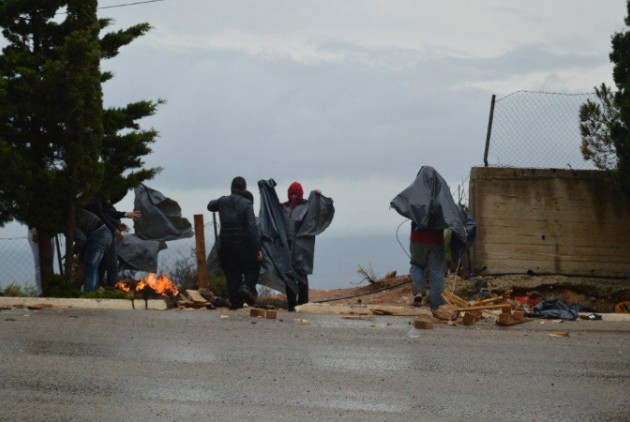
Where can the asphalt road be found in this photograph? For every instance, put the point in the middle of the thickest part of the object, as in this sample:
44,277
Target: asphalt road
197,365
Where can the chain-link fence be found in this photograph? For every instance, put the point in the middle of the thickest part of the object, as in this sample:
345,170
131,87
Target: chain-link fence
536,129
17,264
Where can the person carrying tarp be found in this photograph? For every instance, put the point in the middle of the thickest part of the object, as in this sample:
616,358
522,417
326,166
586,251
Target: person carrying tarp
92,239
288,233
428,203
301,236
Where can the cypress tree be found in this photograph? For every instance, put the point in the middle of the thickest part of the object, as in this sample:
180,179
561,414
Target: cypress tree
605,125
57,144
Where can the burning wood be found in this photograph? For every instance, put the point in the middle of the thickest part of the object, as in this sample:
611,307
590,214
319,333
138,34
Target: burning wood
152,285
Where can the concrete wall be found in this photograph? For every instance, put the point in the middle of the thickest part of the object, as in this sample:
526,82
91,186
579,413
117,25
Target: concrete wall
549,221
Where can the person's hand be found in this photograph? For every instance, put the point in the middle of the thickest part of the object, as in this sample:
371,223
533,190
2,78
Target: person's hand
133,214
259,257
118,235
317,191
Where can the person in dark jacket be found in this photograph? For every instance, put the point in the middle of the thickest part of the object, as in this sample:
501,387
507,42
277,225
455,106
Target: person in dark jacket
111,218
92,238
240,252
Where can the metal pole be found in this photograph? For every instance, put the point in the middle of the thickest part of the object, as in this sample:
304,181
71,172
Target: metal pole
59,255
485,154
214,223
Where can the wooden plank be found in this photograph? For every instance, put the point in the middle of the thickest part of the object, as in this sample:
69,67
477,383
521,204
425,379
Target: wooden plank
471,317
200,252
504,307
452,299
198,301
327,308
421,324
396,311
257,313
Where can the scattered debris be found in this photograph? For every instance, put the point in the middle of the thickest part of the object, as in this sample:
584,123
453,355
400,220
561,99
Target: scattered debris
38,306
422,324
623,307
198,301
558,334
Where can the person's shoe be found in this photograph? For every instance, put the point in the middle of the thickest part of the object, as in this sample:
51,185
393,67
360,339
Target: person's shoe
247,295
417,300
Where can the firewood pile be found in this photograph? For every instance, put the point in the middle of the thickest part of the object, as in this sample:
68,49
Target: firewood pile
472,311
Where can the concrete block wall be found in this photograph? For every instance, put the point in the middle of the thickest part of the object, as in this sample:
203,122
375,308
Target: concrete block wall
549,221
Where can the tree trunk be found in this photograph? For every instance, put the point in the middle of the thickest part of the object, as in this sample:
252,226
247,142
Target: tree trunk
44,243
71,213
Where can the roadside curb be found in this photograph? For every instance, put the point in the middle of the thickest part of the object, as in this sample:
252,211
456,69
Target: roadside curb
71,303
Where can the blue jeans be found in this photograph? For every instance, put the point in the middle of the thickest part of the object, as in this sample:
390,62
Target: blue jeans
112,263
97,243
436,262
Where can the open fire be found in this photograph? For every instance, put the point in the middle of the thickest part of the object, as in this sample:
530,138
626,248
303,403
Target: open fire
158,284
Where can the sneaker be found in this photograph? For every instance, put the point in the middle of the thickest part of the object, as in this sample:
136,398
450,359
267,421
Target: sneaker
247,295
417,300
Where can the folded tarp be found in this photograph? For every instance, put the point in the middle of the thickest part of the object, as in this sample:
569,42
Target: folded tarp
429,204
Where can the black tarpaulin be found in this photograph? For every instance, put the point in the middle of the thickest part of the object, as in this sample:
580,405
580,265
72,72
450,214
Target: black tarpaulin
318,217
139,254
281,260
161,216
429,204
276,271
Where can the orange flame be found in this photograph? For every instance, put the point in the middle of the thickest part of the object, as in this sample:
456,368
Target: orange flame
160,284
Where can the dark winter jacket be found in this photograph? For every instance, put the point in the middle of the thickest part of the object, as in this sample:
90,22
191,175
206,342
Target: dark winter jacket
86,224
236,214
107,213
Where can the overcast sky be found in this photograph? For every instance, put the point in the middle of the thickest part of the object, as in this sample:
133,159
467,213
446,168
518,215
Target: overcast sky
348,96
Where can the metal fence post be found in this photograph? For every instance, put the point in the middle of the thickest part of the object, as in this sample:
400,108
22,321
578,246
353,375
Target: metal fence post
485,154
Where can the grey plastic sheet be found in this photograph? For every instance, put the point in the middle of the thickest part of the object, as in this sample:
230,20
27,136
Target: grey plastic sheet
161,216
139,254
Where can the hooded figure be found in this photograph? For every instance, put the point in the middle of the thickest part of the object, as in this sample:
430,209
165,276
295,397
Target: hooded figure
305,219
288,233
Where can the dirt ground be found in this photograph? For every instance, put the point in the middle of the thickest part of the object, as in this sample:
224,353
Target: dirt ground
599,295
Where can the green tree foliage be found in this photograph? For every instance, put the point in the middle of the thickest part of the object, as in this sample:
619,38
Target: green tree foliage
606,128
125,142
58,147
51,128
595,122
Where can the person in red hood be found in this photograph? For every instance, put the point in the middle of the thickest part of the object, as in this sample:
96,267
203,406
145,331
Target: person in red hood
294,212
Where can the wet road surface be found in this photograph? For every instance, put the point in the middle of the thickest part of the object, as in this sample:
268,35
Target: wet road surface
197,365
